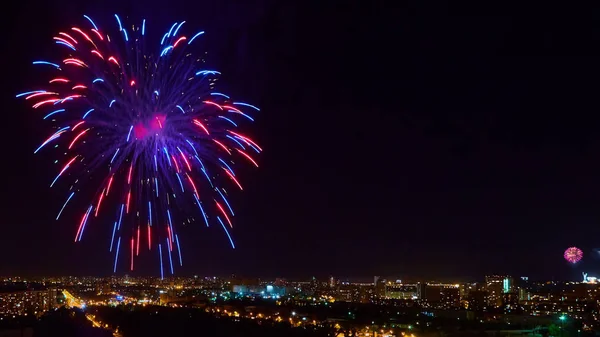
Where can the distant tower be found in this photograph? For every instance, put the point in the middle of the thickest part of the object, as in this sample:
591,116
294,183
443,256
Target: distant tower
584,277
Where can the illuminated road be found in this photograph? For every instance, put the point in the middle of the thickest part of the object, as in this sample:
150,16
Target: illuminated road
75,302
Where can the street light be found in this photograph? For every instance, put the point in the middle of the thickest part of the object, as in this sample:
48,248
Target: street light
562,323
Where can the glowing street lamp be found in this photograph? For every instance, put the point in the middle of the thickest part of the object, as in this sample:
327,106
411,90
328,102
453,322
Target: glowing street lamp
562,319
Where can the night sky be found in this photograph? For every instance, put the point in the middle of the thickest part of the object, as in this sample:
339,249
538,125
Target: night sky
414,140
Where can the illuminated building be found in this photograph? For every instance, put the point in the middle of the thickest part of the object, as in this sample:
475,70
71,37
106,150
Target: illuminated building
510,301
34,302
440,295
507,285
399,291
103,288
496,286
347,293
476,300
333,282
450,297
357,293
467,288
524,295
259,290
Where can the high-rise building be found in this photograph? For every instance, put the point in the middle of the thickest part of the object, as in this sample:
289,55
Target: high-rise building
54,298
524,295
476,300
467,288
441,295
496,286
450,297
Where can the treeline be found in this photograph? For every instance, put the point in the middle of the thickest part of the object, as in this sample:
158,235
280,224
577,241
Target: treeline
67,323
182,322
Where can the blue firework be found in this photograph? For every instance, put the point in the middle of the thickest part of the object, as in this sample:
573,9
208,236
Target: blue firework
148,122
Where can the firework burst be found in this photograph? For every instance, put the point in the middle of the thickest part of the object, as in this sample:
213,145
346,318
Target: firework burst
150,123
573,255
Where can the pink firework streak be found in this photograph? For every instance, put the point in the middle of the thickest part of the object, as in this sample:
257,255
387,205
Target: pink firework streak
152,124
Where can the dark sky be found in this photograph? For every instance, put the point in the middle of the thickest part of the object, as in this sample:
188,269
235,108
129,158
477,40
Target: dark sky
414,140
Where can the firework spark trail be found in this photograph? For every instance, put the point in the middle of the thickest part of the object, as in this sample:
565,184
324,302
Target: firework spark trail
170,258
82,224
226,232
151,122
112,240
137,249
132,250
65,205
162,274
117,255
178,250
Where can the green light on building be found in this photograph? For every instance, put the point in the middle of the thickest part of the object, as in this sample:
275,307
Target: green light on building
506,285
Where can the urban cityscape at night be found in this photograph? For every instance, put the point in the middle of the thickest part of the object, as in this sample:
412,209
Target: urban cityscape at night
328,307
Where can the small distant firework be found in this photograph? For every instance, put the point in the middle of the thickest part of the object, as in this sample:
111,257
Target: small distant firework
573,255
145,129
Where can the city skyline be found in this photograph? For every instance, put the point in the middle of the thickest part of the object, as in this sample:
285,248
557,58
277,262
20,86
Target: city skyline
340,279
499,304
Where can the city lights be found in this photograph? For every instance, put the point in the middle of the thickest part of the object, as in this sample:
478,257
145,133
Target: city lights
321,304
